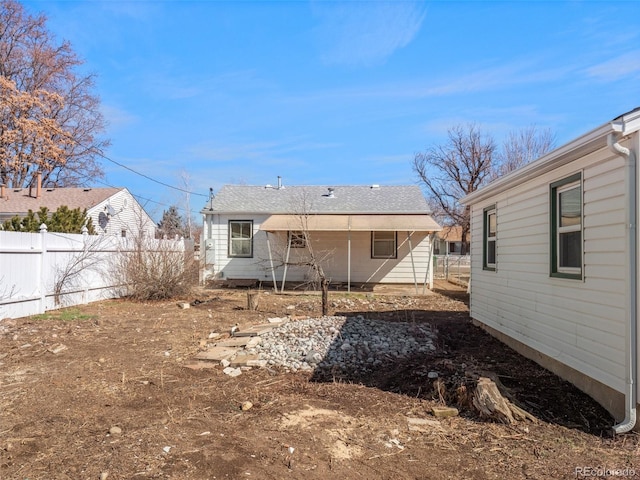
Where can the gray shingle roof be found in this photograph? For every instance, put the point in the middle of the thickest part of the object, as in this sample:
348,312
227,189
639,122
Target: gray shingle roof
18,201
316,200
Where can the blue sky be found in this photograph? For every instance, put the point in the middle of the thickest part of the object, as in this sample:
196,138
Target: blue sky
336,93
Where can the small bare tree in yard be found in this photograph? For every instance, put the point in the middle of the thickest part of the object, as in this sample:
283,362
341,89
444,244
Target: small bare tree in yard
306,255
90,259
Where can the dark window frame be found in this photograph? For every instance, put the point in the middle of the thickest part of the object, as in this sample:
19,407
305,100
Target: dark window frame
486,238
230,240
297,239
373,245
555,188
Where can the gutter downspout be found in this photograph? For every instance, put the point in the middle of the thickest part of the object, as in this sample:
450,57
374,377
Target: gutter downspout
632,326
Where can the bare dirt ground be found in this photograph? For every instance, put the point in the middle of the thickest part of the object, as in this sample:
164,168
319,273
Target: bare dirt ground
124,367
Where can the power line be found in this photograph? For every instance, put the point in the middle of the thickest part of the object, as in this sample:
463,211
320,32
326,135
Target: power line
102,155
190,211
152,179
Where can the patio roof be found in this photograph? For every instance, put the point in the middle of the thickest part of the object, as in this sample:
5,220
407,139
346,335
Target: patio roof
354,223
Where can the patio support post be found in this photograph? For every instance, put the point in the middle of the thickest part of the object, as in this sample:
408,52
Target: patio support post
428,276
273,271
286,263
413,264
349,256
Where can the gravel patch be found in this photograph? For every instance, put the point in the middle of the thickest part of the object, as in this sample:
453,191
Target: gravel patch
342,344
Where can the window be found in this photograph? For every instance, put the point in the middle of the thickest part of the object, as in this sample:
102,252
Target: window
383,244
566,227
297,239
240,238
124,233
489,235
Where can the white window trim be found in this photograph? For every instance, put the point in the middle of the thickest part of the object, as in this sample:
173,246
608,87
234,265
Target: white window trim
569,229
231,240
490,238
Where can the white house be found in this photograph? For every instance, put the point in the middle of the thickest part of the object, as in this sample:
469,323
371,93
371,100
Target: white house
113,211
364,234
554,248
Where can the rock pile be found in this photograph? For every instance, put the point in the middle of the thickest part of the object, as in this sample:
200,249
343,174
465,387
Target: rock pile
342,344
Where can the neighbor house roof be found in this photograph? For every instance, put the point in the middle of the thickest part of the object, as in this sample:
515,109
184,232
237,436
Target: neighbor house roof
319,200
452,234
19,201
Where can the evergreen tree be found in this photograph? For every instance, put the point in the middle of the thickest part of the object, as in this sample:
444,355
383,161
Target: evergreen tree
63,220
172,224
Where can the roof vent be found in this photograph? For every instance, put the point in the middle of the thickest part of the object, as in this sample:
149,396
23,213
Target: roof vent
375,185
330,194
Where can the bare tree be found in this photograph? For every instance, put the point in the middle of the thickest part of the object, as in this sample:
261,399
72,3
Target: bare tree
306,255
522,147
455,169
149,269
49,118
469,160
90,259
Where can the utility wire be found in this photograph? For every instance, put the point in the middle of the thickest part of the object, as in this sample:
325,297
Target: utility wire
190,211
102,155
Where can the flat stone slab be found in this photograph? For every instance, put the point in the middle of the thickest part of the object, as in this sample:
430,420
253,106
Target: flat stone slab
444,412
233,342
245,360
200,365
254,330
423,425
217,354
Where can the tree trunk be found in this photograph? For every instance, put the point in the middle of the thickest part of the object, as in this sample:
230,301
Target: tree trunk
324,285
252,300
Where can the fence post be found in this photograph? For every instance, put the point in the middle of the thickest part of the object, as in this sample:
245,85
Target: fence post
85,240
43,258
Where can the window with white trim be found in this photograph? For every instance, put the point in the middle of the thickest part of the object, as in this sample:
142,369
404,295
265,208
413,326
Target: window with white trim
490,235
241,238
566,227
383,245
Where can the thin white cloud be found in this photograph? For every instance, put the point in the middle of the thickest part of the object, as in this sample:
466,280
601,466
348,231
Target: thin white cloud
473,80
277,151
116,117
616,68
365,33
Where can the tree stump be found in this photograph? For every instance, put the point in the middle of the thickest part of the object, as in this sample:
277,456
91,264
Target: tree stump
252,300
490,403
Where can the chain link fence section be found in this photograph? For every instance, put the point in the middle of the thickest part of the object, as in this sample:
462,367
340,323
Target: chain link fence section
453,268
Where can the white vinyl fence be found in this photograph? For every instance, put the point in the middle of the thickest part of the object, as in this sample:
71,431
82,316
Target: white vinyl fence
45,271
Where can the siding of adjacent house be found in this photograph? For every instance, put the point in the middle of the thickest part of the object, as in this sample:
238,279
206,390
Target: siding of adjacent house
334,245
129,216
580,323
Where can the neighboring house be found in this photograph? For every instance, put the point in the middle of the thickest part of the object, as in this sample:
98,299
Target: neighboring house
114,211
367,234
554,257
449,241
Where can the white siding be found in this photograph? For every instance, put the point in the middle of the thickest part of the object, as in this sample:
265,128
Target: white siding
333,246
580,323
129,217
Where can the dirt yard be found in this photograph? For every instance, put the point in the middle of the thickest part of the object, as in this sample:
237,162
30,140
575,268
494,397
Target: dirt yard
102,392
